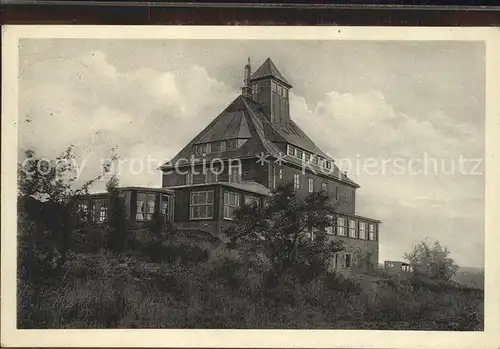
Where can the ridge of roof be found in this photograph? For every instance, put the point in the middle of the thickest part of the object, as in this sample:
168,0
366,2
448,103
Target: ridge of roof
267,69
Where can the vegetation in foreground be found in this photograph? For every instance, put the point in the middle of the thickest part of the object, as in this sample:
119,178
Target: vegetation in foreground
100,277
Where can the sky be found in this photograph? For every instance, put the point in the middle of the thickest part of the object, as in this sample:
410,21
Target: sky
404,118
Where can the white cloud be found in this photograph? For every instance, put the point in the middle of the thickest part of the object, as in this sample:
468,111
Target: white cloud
149,114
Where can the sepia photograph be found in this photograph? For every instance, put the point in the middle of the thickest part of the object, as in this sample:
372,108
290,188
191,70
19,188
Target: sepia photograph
249,183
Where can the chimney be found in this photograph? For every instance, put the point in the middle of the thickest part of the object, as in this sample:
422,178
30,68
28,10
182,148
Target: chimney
247,90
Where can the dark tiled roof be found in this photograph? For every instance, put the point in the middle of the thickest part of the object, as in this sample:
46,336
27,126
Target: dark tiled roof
268,69
245,114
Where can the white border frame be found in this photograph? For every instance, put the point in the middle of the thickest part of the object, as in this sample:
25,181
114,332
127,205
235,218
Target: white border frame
11,336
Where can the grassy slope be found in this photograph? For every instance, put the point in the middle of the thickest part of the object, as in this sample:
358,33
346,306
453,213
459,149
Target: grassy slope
180,285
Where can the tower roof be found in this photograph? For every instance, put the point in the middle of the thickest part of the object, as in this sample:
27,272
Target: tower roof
268,69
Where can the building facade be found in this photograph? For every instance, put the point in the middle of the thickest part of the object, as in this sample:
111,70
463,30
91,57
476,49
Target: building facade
252,148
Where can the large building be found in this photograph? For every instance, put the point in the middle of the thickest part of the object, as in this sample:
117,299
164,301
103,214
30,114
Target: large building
251,148
246,152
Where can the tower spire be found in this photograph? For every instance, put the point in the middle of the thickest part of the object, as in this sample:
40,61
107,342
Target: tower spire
246,90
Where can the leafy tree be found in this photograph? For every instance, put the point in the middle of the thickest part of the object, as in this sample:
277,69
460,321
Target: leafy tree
290,230
46,210
432,261
115,223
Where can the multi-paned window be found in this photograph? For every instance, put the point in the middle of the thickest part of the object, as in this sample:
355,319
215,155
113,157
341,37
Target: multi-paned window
362,230
145,206
348,260
212,176
291,150
189,178
296,181
307,157
341,226
165,205
231,144
83,210
323,186
99,210
202,204
371,232
274,86
352,228
311,185
235,174
231,204
204,148
299,153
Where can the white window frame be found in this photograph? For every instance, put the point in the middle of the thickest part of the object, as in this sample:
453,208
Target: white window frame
341,226
296,180
371,232
98,214
230,176
290,150
330,227
143,210
362,231
310,184
229,208
353,233
208,203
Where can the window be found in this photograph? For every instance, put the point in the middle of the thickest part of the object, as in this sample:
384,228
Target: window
323,186
348,194
223,146
279,90
296,181
216,147
329,227
211,175
189,178
274,177
307,157
337,193
251,200
165,205
328,164
314,159
335,261
321,162
348,260
98,212
311,185
83,210
145,206
231,144
202,148
291,150
362,230
281,173
341,228
255,90
371,232
273,86
234,174
231,203
285,93
352,228
202,204
299,153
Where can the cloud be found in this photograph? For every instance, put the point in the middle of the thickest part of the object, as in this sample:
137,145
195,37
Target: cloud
149,114
433,192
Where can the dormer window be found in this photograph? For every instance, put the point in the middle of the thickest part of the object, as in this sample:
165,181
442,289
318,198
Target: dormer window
299,153
202,148
230,144
291,150
274,86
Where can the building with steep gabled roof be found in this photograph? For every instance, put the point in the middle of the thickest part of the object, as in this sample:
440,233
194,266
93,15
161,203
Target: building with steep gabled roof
252,147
